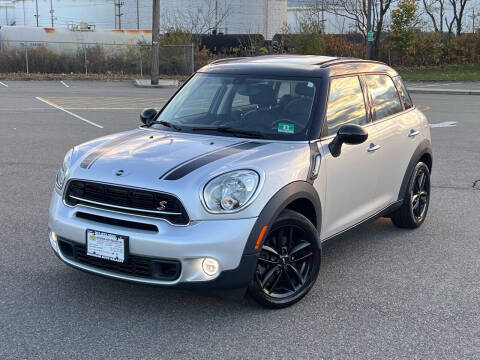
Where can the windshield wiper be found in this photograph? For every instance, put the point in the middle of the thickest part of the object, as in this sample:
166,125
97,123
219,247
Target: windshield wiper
165,123
230,130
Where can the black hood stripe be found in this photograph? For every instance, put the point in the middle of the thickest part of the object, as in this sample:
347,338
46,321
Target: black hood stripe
197,157
99,152
182,170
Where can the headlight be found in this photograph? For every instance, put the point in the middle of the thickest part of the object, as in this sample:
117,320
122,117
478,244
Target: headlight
231,191
60,178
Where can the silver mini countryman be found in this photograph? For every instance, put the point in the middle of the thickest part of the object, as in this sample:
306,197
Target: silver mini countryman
238,180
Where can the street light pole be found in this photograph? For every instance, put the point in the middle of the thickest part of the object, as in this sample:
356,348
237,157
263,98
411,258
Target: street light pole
368,49
155,42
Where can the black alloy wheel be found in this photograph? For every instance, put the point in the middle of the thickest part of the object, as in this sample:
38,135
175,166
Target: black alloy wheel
420,194
414,209
288,263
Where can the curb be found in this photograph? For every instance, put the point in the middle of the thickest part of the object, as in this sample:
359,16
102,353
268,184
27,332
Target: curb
443,91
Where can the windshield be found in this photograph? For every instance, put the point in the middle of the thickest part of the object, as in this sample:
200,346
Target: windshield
244,106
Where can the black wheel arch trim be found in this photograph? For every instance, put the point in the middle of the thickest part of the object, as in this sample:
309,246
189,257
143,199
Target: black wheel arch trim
285,196
425,147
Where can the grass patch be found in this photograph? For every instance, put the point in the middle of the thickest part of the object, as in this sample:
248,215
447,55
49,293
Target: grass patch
446,73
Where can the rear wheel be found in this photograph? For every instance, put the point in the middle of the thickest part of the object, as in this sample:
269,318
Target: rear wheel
288,263
414,209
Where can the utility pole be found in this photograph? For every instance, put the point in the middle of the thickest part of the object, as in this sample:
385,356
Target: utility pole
368,49
119,14
138,18
51,11
36,11
155,41
215,29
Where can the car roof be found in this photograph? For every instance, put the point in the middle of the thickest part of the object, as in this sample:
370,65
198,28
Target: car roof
295,65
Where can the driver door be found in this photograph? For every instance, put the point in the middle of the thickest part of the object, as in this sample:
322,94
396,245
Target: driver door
349,180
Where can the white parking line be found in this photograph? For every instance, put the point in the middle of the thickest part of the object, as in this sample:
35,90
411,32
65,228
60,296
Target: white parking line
63,83
444,124
1,83
68,112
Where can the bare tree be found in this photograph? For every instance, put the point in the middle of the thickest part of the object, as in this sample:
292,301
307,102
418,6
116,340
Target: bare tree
435,9
458,7
356,10
207,17
449,24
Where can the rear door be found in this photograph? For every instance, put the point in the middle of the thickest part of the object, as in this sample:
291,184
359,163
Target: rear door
393,125
349,180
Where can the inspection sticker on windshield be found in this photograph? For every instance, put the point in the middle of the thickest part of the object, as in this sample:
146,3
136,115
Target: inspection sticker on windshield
106,246
286,128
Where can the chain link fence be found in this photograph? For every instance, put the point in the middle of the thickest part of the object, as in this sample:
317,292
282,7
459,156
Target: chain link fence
93,58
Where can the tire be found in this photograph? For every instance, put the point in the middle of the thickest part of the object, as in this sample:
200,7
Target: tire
289,262
414,209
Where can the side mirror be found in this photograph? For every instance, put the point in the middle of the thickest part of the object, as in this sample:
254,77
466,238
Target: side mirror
147,116
349,134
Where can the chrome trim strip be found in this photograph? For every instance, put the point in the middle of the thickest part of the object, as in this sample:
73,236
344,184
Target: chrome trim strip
81,206
124,207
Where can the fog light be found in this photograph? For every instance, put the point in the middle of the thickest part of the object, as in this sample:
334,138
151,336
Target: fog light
210,266
54,236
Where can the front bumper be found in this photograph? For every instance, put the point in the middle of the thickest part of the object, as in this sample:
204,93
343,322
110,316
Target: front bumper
223,240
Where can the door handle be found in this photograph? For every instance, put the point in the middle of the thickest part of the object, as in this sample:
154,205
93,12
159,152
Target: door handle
413,133
373,147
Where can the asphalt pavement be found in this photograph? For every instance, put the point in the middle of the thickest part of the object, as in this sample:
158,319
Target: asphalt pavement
382,292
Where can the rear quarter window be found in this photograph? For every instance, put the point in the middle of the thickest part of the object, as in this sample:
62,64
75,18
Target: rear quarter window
402,90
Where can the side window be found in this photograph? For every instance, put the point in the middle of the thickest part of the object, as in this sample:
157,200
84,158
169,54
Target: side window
345,103
384,96
402,90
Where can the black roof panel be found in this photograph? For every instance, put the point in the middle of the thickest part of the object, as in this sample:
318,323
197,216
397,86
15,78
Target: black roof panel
294,65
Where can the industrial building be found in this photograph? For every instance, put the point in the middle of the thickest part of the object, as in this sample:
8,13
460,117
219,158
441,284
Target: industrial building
264,17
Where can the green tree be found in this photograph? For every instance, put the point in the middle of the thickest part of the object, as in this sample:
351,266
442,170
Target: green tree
309,39
404,21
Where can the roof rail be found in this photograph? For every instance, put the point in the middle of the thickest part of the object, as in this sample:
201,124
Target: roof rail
220,61
347,61
328,61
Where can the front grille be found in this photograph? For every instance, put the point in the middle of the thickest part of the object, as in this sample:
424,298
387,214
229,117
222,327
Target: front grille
126,200
138,266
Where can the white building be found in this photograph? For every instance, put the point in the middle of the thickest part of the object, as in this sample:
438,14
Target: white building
332,24
7,13
264,17
65,12
234,16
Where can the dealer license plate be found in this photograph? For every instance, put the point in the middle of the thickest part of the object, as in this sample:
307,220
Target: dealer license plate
106,246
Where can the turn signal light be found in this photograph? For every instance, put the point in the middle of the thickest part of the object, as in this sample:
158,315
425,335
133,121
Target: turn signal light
260,237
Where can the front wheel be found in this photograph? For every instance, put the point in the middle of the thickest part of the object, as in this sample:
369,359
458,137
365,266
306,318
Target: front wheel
414,209
288,263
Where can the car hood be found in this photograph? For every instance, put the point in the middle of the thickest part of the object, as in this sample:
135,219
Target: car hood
153,154
181,163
